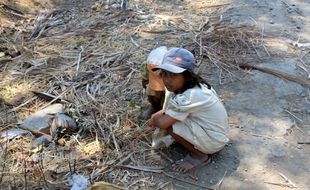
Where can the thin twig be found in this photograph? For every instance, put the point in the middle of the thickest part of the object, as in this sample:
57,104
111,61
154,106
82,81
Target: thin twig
56,98
189,182
279,184
23,104
218,185
163,185
113,136
79,58
143,168
287,180
41,168
25,174
293,115
303,142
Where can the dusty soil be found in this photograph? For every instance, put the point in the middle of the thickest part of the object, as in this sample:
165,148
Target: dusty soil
269,116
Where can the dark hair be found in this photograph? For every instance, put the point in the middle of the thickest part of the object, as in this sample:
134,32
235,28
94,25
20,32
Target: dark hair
192,80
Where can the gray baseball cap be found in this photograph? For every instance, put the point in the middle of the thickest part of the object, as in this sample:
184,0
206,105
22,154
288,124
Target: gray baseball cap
177,60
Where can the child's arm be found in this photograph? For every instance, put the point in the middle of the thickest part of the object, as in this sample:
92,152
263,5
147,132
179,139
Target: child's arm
162,120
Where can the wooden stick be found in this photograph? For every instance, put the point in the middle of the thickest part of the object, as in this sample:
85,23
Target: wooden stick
303,142
163,185
114,139
288,6
189,182
218,185
57,97
159,170
293,115
287,180
79,59
23,104
165,156
143,168
276,73
125,159
279,184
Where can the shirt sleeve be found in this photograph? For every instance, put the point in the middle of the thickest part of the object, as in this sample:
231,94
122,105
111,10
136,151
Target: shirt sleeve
191,101
174,109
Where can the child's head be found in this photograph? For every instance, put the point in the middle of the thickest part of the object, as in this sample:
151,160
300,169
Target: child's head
177,70
177,60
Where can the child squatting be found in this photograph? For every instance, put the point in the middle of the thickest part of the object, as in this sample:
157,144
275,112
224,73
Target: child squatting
192,114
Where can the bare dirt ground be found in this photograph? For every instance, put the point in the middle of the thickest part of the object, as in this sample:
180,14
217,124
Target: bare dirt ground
269,116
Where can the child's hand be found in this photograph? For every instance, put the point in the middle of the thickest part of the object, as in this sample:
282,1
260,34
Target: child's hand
155,117
151,122
162,120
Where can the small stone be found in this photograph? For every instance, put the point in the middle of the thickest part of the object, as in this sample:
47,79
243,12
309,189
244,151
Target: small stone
42,118
211,181
271,22
44,140
245,170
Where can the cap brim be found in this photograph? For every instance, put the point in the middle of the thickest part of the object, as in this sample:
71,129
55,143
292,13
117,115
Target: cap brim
170,68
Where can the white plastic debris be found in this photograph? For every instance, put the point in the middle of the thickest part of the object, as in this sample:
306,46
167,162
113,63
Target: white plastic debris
7,135
78,182
10,134
302,45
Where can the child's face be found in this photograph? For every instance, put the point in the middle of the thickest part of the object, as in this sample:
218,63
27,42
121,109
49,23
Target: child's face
173,82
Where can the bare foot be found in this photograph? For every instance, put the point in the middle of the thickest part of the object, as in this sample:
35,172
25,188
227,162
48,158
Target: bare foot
190,162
